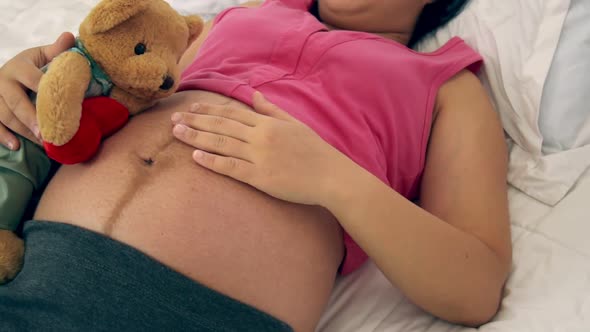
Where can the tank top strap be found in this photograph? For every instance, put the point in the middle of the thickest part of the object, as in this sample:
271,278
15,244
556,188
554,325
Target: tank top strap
453,57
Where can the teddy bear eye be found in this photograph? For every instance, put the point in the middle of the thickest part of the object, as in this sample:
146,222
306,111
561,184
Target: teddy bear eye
140,49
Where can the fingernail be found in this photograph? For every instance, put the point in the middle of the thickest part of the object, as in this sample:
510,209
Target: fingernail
176,117
10,145
198,154
195,107
37,132
179,129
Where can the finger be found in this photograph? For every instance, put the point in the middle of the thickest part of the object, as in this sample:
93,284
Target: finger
8,139
29,76
263,106
246,117
63,43
20,105
238,169
11,122
214,143
17,127
213,124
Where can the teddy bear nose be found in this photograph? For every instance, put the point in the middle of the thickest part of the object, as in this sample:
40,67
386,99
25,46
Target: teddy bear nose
168,83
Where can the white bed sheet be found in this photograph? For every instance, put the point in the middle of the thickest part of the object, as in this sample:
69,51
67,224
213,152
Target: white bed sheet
549,289
26,23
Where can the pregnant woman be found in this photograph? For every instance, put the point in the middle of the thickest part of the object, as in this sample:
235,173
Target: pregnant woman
306,137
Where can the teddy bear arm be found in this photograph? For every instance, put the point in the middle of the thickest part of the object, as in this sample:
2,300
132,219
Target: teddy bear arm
11,255
133,104
61,92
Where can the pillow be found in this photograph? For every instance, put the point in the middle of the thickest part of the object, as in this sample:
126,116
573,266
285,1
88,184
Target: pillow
565,108
517,39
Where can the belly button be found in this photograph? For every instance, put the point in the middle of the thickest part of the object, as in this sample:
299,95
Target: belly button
148,161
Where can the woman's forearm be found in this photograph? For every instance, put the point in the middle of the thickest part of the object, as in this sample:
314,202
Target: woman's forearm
444,270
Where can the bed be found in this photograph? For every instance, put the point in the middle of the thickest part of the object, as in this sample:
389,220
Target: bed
528,76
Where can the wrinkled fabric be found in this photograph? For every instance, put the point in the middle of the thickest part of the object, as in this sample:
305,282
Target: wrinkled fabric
21,172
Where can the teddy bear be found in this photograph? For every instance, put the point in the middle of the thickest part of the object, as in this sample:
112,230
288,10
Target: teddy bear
125,59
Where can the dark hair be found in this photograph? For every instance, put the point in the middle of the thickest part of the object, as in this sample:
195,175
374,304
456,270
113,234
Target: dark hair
435,15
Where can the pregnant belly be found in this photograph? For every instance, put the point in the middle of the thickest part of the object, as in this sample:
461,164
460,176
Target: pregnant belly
144,190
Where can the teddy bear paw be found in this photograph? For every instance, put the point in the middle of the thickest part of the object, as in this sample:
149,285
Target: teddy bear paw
12,250
101,117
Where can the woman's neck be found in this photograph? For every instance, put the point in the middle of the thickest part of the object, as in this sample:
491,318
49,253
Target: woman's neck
401,38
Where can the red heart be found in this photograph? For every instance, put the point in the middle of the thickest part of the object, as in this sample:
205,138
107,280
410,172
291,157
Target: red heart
101,117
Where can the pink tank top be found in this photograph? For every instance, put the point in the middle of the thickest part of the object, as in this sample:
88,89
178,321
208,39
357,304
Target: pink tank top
370,97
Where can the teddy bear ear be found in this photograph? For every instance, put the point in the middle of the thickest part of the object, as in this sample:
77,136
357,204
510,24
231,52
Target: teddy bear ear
195,27
110,13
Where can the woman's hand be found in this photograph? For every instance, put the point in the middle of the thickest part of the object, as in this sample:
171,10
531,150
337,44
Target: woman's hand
269,150
22,72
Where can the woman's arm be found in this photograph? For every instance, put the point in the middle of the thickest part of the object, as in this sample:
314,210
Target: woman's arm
191,52
451,258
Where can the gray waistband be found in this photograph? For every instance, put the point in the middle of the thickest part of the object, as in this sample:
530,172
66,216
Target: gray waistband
77,280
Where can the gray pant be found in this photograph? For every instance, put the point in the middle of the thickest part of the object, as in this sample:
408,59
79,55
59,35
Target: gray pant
77,280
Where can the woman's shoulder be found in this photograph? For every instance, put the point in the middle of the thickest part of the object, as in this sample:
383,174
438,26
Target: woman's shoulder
454,67
463,92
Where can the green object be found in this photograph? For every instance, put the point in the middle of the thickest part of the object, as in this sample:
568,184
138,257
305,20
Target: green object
21,172
100,84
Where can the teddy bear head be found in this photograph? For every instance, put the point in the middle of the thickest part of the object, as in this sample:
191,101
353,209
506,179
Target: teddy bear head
138,44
